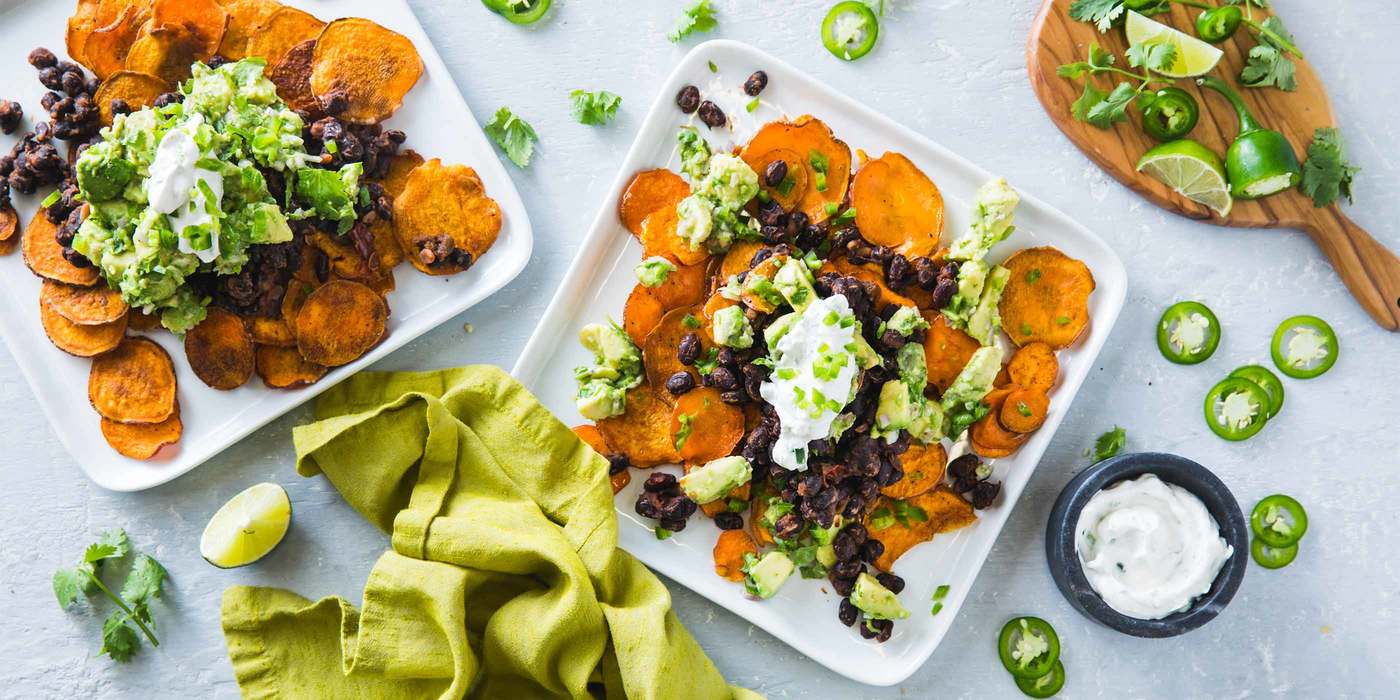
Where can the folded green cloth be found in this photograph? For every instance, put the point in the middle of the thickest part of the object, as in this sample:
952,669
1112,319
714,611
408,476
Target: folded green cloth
504,581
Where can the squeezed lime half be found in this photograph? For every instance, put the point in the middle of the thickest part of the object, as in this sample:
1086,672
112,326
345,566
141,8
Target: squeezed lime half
246,528
1192,170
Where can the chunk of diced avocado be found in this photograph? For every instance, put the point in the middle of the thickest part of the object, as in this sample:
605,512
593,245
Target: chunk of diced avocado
992,218
653,271
763,577
794,282
609,344
598,400
732,329
985,320
866,356
972,275
894,412
717,478
906,320
876,601
975,379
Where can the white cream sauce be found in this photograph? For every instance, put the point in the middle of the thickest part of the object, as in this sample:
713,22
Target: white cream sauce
794,383
173,190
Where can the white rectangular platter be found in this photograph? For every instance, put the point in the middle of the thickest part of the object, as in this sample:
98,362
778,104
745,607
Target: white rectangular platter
213,420
803,613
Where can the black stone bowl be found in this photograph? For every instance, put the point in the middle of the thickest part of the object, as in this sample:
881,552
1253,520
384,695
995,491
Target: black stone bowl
1064,560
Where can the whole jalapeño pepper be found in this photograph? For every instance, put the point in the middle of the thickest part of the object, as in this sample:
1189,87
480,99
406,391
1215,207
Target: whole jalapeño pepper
1260,161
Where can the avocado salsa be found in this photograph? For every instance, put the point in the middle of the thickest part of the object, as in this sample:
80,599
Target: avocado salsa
180,193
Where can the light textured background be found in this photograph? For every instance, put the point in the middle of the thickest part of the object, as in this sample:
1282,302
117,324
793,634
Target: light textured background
954,70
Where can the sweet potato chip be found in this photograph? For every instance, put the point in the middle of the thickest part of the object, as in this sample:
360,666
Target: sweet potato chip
244,18
205,19
987,436
659,238
795,186
142,440
941,509
106,48
373,68
769,269
220,350
9,225
81,25
343,260
897,205
1024,410
81,340
1052,306
685,286
292,76
729,553
1034,366
591,436
659,355
620,480
134,383
167,53
279,31
704,427
267,330
44,256
923,469
716,302
641,314
825,160
285,368
139,90
85,306
446,200
401,165
946,350
738,259
138,320
386,249
649,191
758,507
869,272
340,322
642,432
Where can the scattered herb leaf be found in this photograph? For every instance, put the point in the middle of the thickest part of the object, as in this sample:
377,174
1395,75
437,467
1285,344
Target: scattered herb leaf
1110,443
699,17
1326,173
514,135
594,108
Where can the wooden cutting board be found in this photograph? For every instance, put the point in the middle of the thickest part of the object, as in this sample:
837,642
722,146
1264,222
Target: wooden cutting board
1370,271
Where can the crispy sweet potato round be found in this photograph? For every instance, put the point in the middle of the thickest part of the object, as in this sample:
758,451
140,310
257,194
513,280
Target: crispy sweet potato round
244,17
1034,366
142,440
279,31
714,304
167,53
206,19
9,226
138,89
794,187
659,349
812,141
85,306
1024,410
138,320
285,368
106,47
729,553
220,350
81,24
265,330
1052,306
946,350
447,200
648,191
44,256
715,427
80,340
739,258
897,205
641,314
923,469
292,76
659,237
642,432
592,437
372,67
987,437
134,383
685,286
400,167
944,511
340,322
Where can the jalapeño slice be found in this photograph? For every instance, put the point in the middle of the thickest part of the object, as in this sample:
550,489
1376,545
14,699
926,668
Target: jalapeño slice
1188,333
1304,347
1279,521
1045,686
850,29
1268,381
1236,408
519,11
1272,557
1029,647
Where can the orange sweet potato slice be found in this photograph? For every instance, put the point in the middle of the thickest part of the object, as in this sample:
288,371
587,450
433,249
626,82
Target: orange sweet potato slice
220,350
811,140
659,350
133,383
442,199
80,340
794,187
138,320
9,226
137,89
923,469
85,306
106,48
244,17
1024,410
206,19
987,436
1034,366
642,432
44,256
739,258
714,426
372,67
285,368
279,31
1052,306
729,553
716,302
81,25
946,350
659,238
592,437
339,323
758,507
267,330
943,510
400,167
897,205
685,286
641,314
649,191
720,505
142,440
292,76
167,52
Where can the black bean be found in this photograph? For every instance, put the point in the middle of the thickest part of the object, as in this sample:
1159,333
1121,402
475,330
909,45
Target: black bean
688,99
42,58
10,115
733,396
788,526
658,481
891,581
897,272
678,508
689,349
51,78
847,612
712,115
949,269
729,521
679,383
943,292
725,379
854,507
120,106
984,494
617,462
842,586
166,99
868,630
73,84
775,173
755,83
964,466
673,524
871,550
885,629
771,213
335,102
726,358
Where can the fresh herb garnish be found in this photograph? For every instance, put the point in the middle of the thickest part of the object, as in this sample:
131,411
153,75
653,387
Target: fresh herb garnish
514,135
708,362
752,105
1268,64
682,435
699,17
144,583
713,68
1326,173
1102,109
689,321
1110,443
594,108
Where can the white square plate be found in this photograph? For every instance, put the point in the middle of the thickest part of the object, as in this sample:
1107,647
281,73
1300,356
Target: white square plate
803,614
213,419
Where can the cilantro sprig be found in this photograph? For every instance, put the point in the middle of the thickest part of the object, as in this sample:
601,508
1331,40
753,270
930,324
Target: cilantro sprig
1109,444
594,108
1326,173
144,582
1104,109
1268,64
699,17
514,135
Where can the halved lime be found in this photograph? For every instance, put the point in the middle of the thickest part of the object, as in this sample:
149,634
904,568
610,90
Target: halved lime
1193,56
1193,170
246,528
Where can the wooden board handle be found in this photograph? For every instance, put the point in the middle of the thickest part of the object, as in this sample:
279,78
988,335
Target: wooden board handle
1370,271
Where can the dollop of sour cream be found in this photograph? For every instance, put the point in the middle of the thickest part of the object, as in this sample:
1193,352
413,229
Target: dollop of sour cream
813,378
173,189
1149,548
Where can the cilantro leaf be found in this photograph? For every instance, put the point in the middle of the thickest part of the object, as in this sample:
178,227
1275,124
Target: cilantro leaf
111,544
1113,108
1153,55
71,584
1326,172
1110,443
699,17
594,108
1091,97
1103,13
1268,63
119,640
514,135
145,580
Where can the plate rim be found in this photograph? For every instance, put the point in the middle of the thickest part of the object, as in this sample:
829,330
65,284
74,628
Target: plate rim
538,349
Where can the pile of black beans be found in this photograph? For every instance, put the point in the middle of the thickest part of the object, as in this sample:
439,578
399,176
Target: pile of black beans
662,499
73,112
971,478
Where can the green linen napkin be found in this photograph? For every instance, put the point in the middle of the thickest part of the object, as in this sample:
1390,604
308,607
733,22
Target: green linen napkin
504,581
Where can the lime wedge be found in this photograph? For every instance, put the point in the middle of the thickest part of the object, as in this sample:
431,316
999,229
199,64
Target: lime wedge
1193,56
1193,170
246,528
